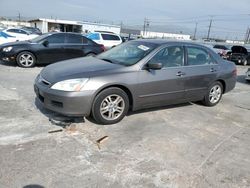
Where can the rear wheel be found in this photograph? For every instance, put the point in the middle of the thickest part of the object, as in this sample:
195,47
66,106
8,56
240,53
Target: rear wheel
213,95
110,106
26,59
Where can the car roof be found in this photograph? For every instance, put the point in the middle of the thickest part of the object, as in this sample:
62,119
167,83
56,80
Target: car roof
52,33
172,42
107,33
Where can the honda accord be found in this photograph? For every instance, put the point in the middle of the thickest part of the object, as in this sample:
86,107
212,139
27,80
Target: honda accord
135,75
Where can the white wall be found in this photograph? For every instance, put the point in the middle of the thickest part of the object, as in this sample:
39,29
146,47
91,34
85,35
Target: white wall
96,27
150,34
14,23
39,25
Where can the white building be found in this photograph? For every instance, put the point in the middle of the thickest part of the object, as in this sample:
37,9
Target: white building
151,34
47,25
10,23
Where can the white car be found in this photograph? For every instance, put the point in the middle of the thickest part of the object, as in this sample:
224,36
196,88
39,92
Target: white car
107,39
20,34
5,38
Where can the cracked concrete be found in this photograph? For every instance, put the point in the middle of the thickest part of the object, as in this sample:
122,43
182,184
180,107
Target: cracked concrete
185,145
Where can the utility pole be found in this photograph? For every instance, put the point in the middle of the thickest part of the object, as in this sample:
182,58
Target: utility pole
19,17
195,30
121,24
209,28
145,25
247,35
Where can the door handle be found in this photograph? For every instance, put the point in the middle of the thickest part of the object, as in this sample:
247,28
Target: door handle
180,73
212,70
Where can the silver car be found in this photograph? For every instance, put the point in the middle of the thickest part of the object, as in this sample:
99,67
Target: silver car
135,75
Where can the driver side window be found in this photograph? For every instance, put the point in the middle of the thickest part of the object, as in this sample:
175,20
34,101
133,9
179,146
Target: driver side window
172,56
56,38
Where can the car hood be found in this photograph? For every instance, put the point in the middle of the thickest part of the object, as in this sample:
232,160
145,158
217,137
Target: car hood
239,49
15,43
83,67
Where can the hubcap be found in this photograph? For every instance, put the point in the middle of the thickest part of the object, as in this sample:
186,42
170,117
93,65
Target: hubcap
112,107
215,94
26,60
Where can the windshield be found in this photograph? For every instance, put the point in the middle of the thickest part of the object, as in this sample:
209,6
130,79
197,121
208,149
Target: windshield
40,38
128,53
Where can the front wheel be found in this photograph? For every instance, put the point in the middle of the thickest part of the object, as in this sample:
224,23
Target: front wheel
90,55
110,106
245,62
26,59
213,95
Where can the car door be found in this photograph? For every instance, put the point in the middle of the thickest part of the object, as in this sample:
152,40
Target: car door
74,46
53,50
201,70
164,86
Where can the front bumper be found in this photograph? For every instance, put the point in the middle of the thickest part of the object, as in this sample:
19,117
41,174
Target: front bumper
7,56
66,103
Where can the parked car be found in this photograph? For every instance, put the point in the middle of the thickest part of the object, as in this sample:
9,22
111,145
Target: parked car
135,75
20,34
239,55
49,48
5,38
248,75
32,30
221,49
109,40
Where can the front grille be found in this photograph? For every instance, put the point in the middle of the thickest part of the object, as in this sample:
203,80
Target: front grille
43,81
57,104
41,98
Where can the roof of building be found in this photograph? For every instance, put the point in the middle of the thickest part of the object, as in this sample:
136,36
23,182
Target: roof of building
72,22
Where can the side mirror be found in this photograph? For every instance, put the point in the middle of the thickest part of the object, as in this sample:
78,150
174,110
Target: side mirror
46,43
154,65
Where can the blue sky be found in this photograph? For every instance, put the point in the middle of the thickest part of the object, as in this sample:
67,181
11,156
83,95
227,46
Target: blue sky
231,17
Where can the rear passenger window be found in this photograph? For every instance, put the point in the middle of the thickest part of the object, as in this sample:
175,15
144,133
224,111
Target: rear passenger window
198,56
76,39
110,37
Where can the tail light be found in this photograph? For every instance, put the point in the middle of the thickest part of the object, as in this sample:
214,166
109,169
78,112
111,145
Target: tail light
235,72
102,47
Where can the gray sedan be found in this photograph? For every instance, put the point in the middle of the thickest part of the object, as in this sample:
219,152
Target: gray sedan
135,75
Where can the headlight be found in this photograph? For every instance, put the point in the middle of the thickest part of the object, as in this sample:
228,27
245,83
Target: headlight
7,49
70,85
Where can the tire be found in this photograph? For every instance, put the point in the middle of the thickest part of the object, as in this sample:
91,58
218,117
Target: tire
245,62
90,55
214,94
26,59
112,112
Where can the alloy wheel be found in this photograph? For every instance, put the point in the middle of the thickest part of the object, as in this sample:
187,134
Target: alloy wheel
215,94
112,107
26,60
